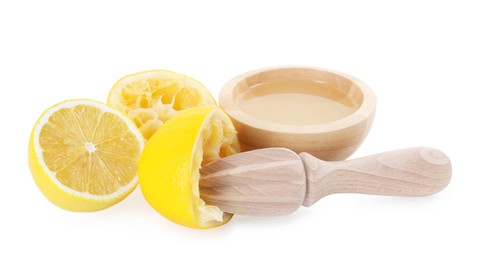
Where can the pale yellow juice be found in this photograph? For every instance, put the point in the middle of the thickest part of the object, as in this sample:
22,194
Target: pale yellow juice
295,102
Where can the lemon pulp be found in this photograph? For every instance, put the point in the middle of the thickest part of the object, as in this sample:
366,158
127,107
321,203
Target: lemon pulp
84,155
150,98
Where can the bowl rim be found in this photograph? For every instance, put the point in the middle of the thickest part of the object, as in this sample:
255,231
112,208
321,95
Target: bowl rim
364,112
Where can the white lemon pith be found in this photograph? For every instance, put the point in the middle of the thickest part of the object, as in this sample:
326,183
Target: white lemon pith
83,155
216,140
150,98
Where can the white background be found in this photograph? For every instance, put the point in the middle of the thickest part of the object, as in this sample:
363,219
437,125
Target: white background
420,57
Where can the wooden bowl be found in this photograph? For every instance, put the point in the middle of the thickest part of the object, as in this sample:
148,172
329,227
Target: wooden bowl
335,140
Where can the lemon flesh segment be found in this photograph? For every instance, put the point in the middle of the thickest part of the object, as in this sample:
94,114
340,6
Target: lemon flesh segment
150,98
84,155
170,163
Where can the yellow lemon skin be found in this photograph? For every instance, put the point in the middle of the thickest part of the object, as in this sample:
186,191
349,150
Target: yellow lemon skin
61,196
168,175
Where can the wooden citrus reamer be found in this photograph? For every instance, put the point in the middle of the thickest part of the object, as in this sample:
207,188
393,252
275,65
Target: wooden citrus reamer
277,181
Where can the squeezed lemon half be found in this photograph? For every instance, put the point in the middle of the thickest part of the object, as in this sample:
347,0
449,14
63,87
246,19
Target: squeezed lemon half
150,98
83,155
169,165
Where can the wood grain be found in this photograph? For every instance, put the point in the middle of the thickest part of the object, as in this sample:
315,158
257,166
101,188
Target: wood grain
276,181
259,182
417,171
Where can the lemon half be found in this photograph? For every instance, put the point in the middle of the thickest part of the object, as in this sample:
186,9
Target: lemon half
83,155
169,165
150,98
